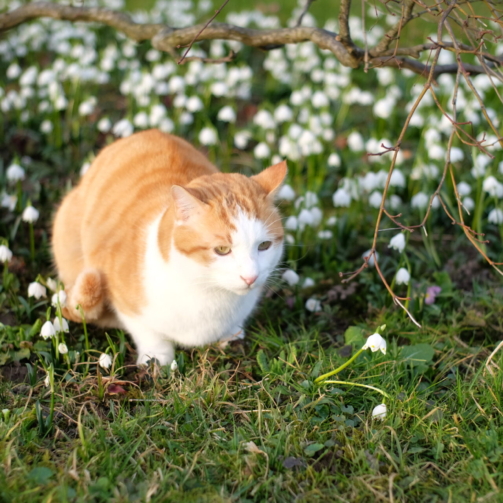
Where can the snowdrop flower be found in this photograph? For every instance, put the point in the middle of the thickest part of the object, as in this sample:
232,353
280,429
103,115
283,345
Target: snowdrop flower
15,173
371,260
47,381
166,125
457,154
8,201
320,99
30,214
325,234
5,254
291,277
420,200
464,189
219,89
194,104
52,284
480,165
375,343
87,106
397,242
140,120
305,218
380,412
291,223
397,178
104,125
331,221
208,136
36,290
13,71
495,216
341,198
375,199
468,203
308,283
402,276
334,160
61,327
262,151
313,305
355,142
174,366
317,216
241,139
395,201
226,114
123,128
264,119
59,299
493,187
105,361
63,348
283,114
384,107
286,193
46,127
47,330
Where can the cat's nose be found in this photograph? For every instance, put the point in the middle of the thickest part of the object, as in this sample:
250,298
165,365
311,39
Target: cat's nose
249,280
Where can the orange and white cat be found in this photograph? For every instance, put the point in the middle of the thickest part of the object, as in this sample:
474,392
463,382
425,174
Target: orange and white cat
155,240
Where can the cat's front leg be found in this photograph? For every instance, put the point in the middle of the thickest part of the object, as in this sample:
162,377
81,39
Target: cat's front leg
161,350
236,334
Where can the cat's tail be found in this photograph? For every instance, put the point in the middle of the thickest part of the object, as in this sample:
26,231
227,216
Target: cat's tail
87,296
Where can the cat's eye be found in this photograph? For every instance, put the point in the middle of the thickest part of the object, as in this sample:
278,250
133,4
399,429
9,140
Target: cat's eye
265,245
222,250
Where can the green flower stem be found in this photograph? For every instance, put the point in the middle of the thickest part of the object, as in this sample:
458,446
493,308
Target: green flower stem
86,338
32,243
359,385
342,367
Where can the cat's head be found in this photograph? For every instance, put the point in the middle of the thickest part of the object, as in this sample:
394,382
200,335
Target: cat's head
228,223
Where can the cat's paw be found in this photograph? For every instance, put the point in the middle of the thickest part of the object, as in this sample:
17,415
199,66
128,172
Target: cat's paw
237,334
161,358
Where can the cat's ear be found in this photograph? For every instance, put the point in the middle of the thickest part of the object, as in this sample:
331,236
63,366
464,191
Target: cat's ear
272,177
186,205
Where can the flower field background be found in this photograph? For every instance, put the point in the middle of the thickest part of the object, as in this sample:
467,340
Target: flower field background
248,422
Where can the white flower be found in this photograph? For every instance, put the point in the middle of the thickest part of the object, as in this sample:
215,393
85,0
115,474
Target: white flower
15,172
13,71
313,305
208,136
194,104
375,199
87,107
52,284
291,223
63,348
402,276
384,107
394,201
495,216
371,260
355,142
105,361
60,327
341,198
468,203
140,120
283,114
319,99
219,89
286,193
241,139
226,114
397,242
8,201
420,200
325,234
5,254
104,125
316,215
291,277
46,127
464,189
47,380
36,290
123,128
334,160
308,283
47,330
264,119
380,412
59,299
331,221
375,343
262,151
174,366
457,154
30,214
493,187
397,178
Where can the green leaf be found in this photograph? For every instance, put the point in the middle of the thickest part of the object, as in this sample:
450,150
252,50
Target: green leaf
262,361
354,336
312,449
40,474
418,354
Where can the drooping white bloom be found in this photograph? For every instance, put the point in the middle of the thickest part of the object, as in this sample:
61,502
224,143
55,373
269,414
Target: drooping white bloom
380,412
291,223
375,343
63,348
219,89
174,366
341,198
397,178
420,200
402,276
104,125
123,128
46,126
241,139
194,104
493,187
371,260
305,218
286,193
59,299
5,254
47,381
320,100
30,214
8,201
355,142
60,327
208,136
226,114
464,189
13,71
52,284
15,172
291,277
313,305
334,160
375,199
262,151
308,283
384,107
36,290
495,216
468,203
140,120
331,221
395,201
283,114
457,154
105,361
397,242
316,215
47,330
87,106
327,234
264,119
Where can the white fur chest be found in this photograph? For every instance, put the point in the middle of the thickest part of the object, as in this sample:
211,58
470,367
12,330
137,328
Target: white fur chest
183,304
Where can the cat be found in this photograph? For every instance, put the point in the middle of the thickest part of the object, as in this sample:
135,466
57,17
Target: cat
157,241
